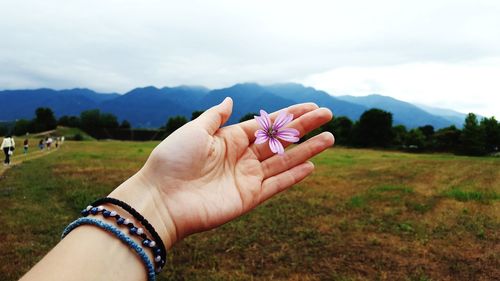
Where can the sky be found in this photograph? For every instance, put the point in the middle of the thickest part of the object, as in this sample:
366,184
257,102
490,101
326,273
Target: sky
438,53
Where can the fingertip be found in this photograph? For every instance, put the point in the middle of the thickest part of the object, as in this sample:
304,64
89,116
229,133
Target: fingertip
310,165
313,105
328,138
327,112
227,101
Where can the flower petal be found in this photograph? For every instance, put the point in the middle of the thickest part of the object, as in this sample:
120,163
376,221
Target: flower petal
265,120
288,134
276,146
282,120
260,137
262,122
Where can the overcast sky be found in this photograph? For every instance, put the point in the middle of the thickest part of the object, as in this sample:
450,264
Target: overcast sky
439,53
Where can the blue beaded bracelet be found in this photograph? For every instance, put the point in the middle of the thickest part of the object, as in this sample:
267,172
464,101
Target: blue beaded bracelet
120,235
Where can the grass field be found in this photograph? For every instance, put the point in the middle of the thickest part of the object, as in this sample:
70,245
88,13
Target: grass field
363,215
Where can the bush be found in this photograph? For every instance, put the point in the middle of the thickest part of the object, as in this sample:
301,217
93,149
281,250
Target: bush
77,137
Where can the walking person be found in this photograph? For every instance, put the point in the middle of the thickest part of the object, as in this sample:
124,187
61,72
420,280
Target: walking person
8,146
26,145
41,144
48,142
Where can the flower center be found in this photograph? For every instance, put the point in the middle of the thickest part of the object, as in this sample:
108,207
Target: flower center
271,132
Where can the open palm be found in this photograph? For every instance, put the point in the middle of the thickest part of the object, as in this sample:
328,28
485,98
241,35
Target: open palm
208,175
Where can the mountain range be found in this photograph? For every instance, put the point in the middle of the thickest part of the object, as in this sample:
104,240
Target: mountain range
151,107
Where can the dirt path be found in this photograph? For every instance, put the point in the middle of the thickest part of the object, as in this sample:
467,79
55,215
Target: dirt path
20,158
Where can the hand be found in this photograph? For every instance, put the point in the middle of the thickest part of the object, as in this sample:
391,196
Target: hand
206,175
198,178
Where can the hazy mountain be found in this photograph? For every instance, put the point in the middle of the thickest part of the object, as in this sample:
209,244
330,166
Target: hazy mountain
17,104
151,106
298,93
248,97
457,118
404,113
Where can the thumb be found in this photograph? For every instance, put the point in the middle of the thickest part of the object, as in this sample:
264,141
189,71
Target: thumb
216,116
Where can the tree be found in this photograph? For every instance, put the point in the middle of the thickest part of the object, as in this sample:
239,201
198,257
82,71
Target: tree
3,129
491,133
125,125
374,129
447,139
415,140
196,113
175,123
69,121
22,127
428,132
472,138
248,116
399,133
341,128
108,121
90,119
44,120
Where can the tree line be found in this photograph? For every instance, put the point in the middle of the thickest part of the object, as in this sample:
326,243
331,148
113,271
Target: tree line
374,129
45,120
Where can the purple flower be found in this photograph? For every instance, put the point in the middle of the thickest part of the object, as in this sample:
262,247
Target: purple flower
271,132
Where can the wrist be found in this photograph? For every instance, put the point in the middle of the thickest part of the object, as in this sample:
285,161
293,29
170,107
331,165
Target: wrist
146,199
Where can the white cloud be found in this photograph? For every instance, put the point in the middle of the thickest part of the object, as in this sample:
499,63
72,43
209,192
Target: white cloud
116,45
466,87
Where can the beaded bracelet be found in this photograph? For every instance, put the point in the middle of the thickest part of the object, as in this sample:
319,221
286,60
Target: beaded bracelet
146,241
162,251
120,235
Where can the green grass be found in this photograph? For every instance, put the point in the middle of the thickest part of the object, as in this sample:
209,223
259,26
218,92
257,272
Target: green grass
363,215
70,133
473,195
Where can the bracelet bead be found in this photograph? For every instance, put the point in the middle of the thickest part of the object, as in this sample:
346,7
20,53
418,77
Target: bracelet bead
133,230
140,231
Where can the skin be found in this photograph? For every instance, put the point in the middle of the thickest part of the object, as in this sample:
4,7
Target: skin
198,178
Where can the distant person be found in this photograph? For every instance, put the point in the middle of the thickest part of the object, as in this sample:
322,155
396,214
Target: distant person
26,145
41,144
62,140
48,142
8,146
57,142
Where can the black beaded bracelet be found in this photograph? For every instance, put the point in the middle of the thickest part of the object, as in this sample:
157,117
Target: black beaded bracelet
160,249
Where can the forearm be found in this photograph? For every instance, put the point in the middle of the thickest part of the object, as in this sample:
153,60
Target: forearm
91,253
